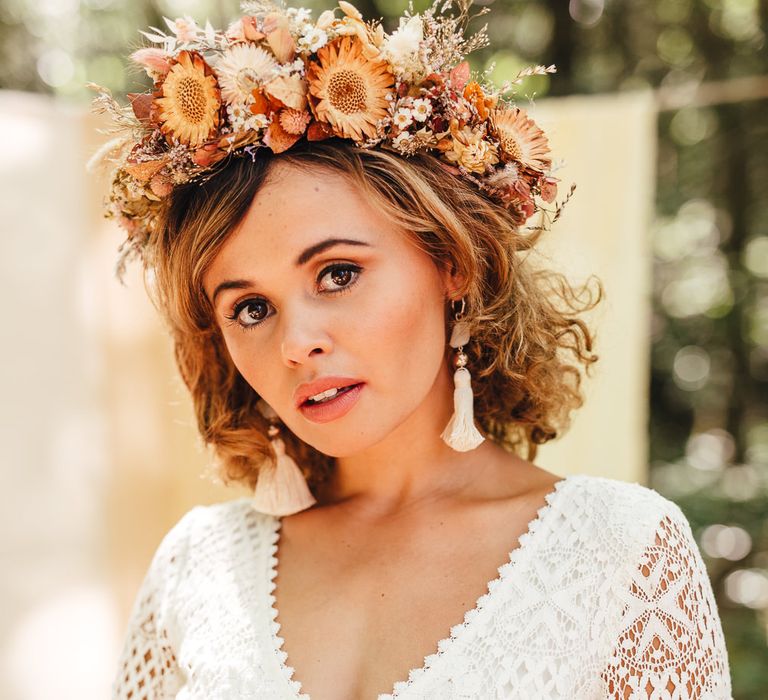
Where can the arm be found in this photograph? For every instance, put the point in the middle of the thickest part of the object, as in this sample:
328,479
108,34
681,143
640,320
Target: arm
148,668
671,642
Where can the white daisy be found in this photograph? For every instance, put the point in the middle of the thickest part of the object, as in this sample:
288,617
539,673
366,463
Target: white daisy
237,112
313,39
238,115
403,118
300,15
298,24
402,139
421,109
257,121
241,68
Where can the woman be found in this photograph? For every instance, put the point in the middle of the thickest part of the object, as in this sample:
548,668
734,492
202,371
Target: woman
329,297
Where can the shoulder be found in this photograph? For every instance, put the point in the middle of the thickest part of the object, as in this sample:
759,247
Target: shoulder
206,528
227,517
615,498
617,515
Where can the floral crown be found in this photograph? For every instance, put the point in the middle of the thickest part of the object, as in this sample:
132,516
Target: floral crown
275,76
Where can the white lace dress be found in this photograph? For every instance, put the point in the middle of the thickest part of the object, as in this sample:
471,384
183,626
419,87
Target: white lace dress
605,596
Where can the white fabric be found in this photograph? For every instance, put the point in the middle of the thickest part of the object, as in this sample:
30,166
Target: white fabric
605,596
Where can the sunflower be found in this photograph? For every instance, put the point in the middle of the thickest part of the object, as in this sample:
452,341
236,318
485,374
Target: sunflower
348,90
241,68
520,139
188,106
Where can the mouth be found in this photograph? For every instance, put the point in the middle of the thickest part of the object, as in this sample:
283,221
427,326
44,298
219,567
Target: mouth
332,406
327,396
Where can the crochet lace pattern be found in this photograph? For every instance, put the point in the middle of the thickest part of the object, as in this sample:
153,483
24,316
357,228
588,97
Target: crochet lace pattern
604,596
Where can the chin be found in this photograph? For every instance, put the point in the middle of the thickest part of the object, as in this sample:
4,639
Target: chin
344,445
346,437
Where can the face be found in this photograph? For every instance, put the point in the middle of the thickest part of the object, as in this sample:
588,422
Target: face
315,284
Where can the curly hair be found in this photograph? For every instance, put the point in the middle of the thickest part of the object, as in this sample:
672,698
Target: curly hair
529,347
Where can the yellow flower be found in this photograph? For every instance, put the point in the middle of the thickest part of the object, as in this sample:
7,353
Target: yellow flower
348,90
469,149
520,139
188,107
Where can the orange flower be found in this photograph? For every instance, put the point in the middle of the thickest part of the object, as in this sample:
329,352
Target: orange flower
347,90
278,139
469,149
188,108
294,121
520,139
478,99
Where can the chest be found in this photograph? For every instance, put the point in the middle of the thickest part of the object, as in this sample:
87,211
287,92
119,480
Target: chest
357,614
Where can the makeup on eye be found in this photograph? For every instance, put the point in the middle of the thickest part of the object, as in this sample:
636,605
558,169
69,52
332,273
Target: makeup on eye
247,319
303,259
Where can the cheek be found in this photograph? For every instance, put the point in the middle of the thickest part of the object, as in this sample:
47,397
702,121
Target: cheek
245,358
403,326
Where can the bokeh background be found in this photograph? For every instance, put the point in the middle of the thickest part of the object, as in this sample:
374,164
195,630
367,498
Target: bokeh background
659,108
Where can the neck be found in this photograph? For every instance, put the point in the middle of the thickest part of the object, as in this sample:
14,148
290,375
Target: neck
410,467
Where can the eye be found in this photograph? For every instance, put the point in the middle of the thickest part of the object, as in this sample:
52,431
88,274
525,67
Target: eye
342,275
249,312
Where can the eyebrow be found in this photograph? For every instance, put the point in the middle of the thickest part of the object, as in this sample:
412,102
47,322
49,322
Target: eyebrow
303,258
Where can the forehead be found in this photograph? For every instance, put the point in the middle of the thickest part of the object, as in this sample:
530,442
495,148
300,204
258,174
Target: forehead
293,192
295,208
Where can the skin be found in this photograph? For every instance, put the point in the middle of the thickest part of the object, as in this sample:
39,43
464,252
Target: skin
402,541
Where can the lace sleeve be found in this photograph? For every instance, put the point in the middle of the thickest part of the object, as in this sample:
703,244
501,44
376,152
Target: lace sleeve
671,642
147,668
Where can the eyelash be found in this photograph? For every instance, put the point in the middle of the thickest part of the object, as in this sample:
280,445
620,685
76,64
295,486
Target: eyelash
238,308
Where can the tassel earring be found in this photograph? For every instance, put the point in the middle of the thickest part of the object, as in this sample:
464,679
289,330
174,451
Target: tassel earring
461,433
281,488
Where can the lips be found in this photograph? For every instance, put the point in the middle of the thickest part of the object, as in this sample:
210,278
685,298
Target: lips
304,391
334,408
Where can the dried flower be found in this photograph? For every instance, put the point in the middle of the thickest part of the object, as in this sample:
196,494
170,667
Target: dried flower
241,68
421,109
403,118
349,90
154,62
184,28
470,149
401,48
189,105
274,76
520,139
294,121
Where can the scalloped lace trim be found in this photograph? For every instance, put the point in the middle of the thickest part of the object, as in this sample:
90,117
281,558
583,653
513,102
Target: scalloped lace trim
444,645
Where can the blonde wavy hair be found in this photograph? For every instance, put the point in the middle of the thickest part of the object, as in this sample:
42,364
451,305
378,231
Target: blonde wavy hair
529,347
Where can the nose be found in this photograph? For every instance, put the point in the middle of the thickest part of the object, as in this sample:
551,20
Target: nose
304,335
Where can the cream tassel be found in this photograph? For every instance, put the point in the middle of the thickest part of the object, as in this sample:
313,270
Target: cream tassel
461,433
281,488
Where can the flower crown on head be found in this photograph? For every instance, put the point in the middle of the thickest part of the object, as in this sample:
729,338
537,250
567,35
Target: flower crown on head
275,76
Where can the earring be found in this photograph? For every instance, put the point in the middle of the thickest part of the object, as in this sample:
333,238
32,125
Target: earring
461,433
281,488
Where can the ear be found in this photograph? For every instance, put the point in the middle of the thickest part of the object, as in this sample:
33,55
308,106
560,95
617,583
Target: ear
453,282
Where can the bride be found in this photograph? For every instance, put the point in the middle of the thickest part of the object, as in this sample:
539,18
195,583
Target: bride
369,347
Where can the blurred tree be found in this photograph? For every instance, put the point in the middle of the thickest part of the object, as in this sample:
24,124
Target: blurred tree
709,62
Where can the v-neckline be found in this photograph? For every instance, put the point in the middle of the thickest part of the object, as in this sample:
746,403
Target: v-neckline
444,645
